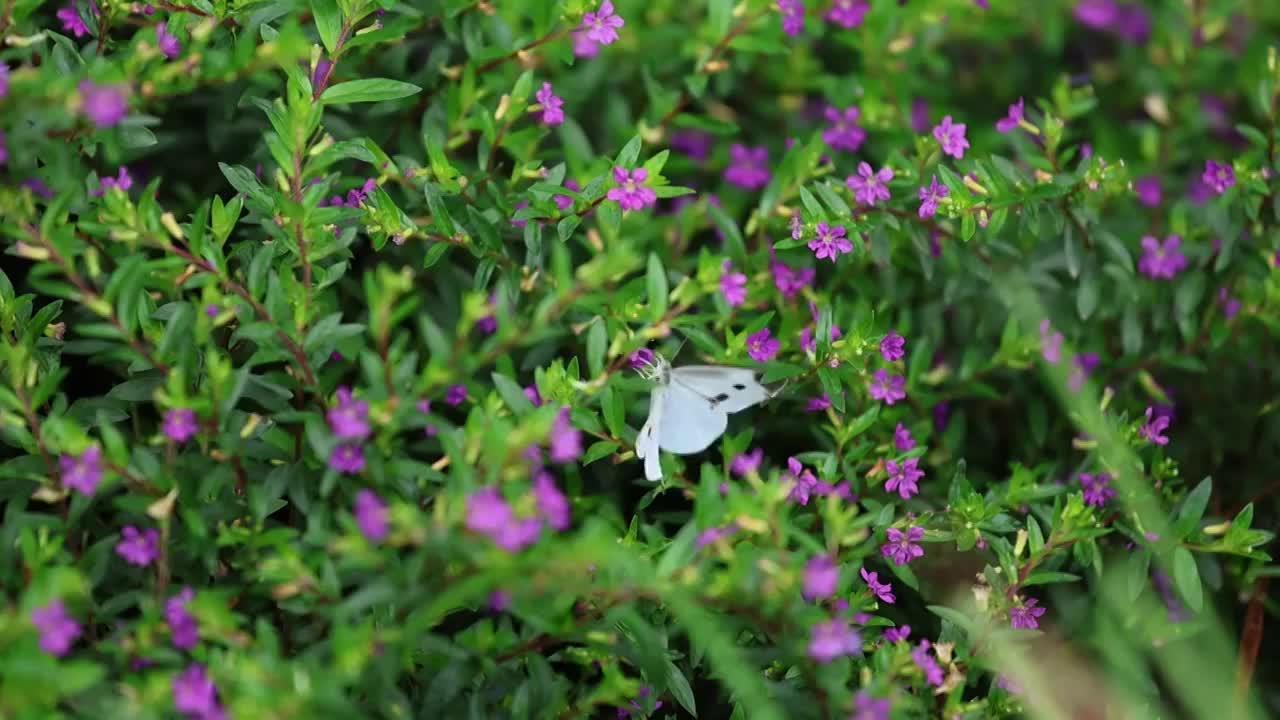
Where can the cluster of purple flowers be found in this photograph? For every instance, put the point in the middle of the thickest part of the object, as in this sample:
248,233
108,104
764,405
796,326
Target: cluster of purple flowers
489,514
354,197
82,473
597,28
349,422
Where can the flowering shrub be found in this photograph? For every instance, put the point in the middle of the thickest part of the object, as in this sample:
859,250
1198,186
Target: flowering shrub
322,321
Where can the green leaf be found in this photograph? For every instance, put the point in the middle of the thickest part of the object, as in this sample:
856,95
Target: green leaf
678,684
512,394
831,386
959,619
630,152
1045,577
368,90
656,282
1187,578
601,449
597,343
439,213
328,22
1193,506
243,180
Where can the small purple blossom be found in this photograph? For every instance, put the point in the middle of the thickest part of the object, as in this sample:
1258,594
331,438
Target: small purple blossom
763,347
105,105
746,463
832,639
1151,430
792,16
183,627
1083,366
843,131
1050,343
349,419
487,511
1162,260
867,707
347,458
584,46
694,143
830,242
897,634
534,396
1148,190
180,424
802,480
58,630
902,438
950,137
1097,14
714,534
748,166
1012,119
1025,616
553,506
602,25
565,439
929,197
901,547
821,575
893,347
168,42
848,13
870,187
82,473
889,390
818,404
137,547
641,358
927,663
631,192
195,695
733,285
904,477
919,115
372,515
1097,488
71,21
122,181
552,105
1218,176
882,591
456,394
790,281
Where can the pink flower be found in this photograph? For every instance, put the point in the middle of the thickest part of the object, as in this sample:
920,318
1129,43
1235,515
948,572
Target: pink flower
902,438
883,591
552,112
371,515
631,192
566,440
168,42
748,167
1050,343
901,547
870,187
139,548
888,390
1026,616
180,424
82,473
789,280
903,478
1011,121
58,630
830,242
818,404
1218,176
747,463
602,26
71,21
848,13
347,458
821,575
829,640
929,197
893,347
105,105
843,133
762,347
950,137
733,285
1151,430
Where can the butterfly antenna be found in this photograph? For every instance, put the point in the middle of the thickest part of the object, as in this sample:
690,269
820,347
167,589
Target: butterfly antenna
679,347
781,387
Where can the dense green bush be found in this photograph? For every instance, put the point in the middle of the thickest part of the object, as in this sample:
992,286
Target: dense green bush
329,327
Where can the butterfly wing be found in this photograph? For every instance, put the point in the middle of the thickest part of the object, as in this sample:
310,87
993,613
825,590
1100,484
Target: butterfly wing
732,389
690,423
647,439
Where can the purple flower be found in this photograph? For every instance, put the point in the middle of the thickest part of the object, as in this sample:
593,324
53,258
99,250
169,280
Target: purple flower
180,424
1097,488
1148,190
456,394
929,197
893,347
487,511
584,46
919,115
821,575
870,708
870,187
602,26
792,16
789,280
347,458
4,79
82,473
349,419
566,440
843,132
714,534
802,481
902,438
1230,305
1152,428
694,143
139,548
1161,260
833,638
809,343
552,504
564,202
72,22
1011,121
58,630
1024,616
819,403
1050,343
195,695
552,105
748,166
746,463
901,548
733,285
1133,23
519,534
1084,363
883,591
105,105
534,396
1097,14
168,42
904,478
951,137
1218,176
183,627
631,192
890,390
122,180
848,13
830,242
897,634
641,358
372,516
761,346
927,663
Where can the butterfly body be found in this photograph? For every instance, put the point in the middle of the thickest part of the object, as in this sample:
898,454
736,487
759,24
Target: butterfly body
689,408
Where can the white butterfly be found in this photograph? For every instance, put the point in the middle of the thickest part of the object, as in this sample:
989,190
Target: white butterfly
689,408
